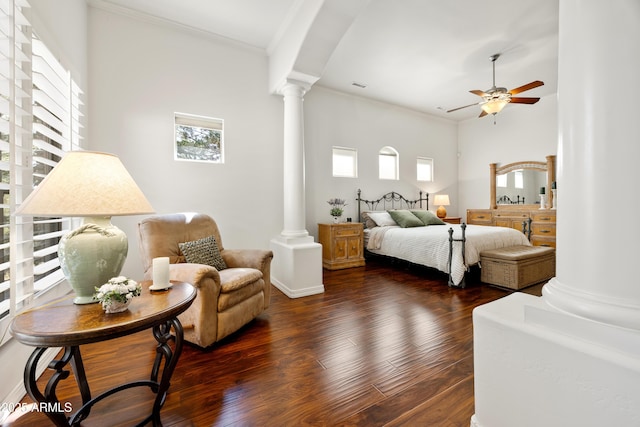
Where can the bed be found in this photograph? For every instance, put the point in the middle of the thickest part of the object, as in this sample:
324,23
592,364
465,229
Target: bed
390,230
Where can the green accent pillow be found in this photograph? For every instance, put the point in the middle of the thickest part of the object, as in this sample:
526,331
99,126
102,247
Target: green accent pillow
405,219
203,251
427,217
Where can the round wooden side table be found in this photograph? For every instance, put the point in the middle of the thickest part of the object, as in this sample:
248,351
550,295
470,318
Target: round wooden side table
65,324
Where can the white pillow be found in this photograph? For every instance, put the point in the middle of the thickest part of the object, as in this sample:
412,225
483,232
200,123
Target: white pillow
382,219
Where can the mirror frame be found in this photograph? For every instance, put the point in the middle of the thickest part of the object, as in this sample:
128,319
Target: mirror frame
549,167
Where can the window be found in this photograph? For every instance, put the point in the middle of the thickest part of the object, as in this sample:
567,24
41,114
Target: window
345,162
199,138
424,167
501,180
40,112
388,163
519,179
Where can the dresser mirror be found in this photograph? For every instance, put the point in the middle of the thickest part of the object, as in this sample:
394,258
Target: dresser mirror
517,185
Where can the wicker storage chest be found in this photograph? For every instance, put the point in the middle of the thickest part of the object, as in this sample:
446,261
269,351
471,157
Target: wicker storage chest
517,267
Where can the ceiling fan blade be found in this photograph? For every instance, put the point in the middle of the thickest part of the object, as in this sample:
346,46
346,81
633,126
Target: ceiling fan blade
477,92
528,86
460,108
484,113
515,100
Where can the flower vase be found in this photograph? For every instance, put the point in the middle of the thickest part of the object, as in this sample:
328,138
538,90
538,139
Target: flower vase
336,219
114,306
543,201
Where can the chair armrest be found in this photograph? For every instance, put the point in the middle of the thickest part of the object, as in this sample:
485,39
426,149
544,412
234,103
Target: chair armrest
194,274
200,321
248,258
259,259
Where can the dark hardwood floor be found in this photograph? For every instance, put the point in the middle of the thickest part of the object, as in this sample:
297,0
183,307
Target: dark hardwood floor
385,345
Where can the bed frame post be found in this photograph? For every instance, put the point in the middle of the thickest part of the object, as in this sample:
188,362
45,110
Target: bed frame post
463,240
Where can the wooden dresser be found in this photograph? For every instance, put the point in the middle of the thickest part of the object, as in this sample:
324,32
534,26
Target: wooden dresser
342,245
543,222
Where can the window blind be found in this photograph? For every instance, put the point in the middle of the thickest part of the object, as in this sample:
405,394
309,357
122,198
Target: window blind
40,116
16,266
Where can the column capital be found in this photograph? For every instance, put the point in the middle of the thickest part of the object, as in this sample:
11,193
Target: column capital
294,88
297,80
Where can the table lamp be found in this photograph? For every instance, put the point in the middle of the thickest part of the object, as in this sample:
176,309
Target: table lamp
95,186
442,200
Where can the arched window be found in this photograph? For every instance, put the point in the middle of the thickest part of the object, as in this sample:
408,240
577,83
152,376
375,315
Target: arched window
388,163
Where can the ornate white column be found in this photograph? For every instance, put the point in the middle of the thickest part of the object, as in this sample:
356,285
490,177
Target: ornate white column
572,357
297,263
293,168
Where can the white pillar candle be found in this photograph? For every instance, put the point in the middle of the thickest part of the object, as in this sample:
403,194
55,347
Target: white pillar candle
161,272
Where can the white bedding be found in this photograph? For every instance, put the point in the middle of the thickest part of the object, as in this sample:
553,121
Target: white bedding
429,245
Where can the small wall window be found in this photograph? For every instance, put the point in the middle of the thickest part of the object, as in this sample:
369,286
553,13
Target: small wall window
388,163
424,168
501,180
199,138
519,179
345,162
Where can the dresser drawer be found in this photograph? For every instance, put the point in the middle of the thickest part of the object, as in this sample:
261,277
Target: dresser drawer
512,215
543,216
543,241
543,229
479,217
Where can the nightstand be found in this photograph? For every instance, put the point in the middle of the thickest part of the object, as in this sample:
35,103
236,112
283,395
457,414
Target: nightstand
453,220
342,245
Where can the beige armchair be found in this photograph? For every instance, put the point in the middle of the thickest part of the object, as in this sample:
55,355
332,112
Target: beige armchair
227,299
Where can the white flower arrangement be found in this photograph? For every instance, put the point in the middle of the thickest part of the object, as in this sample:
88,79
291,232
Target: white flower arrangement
120,289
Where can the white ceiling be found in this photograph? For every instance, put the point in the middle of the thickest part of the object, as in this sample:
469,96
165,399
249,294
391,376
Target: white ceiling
422,54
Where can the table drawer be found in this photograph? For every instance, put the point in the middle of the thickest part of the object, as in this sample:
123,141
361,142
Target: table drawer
345,231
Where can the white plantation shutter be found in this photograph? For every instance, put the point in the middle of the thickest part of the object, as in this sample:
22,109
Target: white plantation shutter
16,265
40,114
52,124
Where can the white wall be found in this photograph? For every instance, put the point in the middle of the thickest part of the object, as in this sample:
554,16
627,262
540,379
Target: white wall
521,132
63,27
337,119
141,73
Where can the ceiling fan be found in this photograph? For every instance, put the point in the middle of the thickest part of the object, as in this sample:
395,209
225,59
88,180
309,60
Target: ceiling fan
496,98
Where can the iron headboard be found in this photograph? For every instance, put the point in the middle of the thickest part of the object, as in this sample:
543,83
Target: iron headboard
392,200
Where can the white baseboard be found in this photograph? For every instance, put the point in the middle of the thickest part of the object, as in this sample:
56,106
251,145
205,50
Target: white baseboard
297,293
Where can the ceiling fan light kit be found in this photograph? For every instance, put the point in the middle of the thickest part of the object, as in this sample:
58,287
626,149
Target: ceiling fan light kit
496,98
494,106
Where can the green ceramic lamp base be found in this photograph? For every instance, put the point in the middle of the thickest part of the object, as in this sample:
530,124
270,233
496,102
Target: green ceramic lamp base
91,255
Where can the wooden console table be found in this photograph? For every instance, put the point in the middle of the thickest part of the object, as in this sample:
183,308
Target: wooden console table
65,324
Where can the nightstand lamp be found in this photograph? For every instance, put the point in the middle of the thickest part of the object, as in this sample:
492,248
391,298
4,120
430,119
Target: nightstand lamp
441,200
95,186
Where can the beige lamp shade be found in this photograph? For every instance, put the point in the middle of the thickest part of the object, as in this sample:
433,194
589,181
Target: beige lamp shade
86,183
441,200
